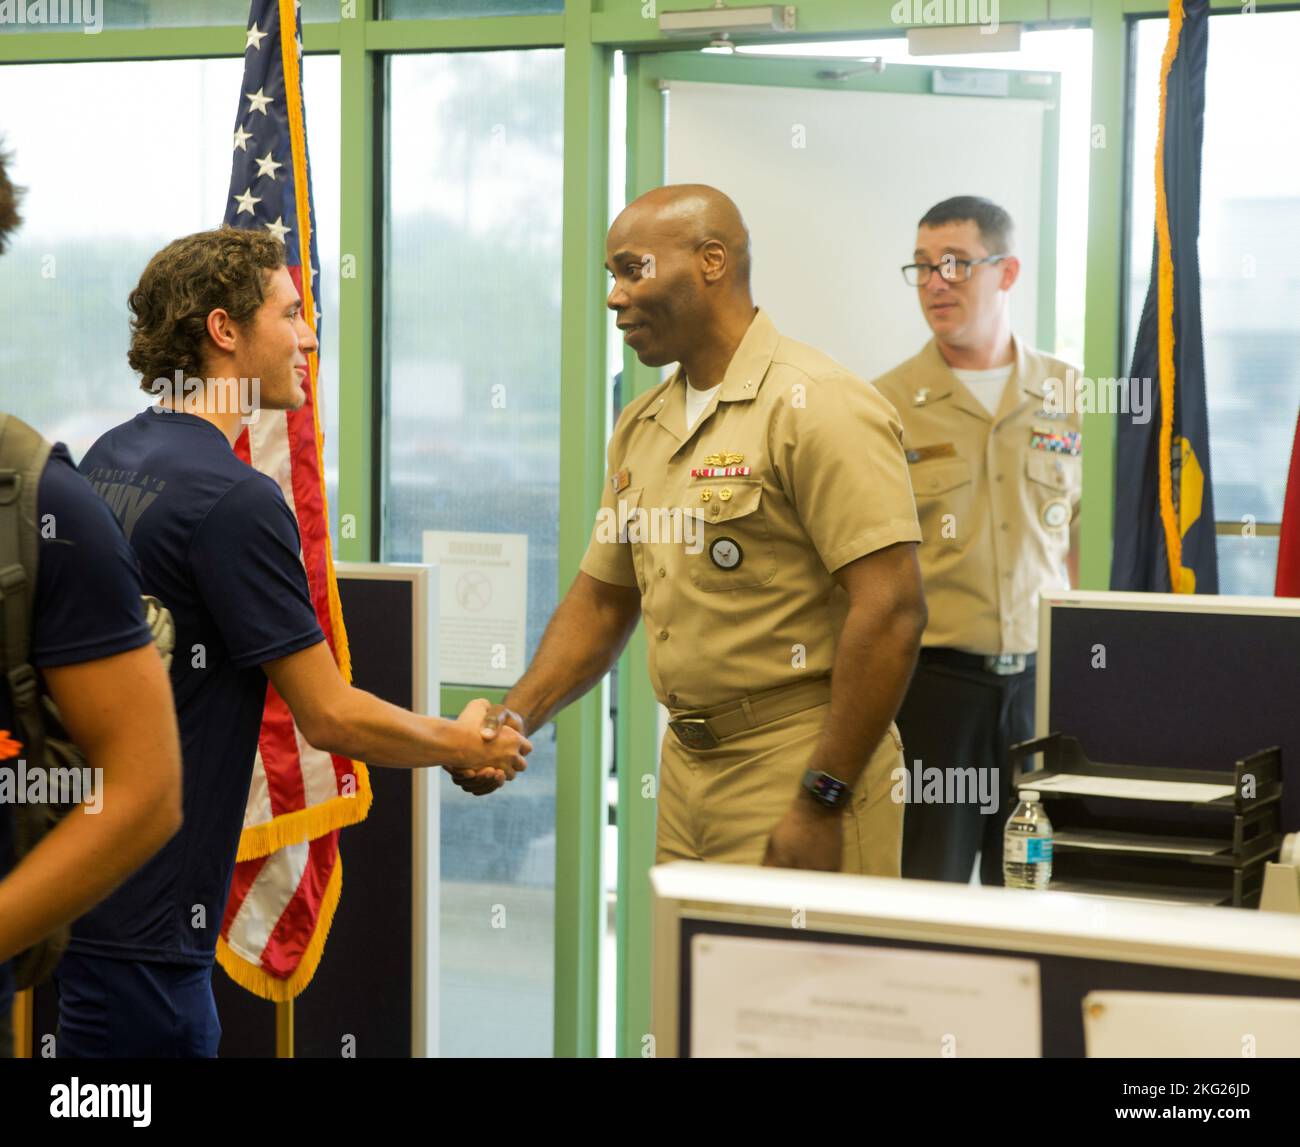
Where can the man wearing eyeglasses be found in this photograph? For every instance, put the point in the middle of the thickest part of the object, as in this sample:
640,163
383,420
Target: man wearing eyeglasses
995,460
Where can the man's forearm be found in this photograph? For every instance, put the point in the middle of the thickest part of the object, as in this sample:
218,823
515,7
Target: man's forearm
365,728
580,645
81,861
873,666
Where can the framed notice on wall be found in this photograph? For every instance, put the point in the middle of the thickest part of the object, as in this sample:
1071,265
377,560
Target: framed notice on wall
483,605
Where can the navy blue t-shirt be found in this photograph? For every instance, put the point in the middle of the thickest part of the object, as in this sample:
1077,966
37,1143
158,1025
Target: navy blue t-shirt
87,605
218,545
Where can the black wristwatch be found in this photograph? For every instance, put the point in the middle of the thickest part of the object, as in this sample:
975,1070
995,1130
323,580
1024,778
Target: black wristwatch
826,790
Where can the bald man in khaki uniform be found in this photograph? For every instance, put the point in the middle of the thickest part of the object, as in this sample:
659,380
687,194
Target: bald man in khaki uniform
994,452
757,514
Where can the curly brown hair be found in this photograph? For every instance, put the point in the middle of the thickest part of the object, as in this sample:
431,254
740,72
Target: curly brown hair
187,280
9,198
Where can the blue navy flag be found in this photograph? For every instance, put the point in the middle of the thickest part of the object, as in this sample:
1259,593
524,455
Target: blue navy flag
1164,506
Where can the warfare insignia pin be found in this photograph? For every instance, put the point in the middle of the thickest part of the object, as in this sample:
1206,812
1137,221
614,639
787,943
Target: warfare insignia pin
725,553
1056,514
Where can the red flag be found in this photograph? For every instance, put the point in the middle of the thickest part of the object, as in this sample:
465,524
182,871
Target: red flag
289,872
1288,550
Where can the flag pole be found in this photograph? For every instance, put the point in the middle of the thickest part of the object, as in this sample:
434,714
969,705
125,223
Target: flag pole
22,1024
284,1029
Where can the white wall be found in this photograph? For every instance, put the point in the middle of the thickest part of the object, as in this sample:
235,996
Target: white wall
832,221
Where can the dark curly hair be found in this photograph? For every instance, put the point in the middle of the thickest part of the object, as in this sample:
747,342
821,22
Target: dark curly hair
185,282
9,199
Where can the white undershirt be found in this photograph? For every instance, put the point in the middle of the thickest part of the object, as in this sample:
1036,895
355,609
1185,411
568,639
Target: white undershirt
987,385
696,401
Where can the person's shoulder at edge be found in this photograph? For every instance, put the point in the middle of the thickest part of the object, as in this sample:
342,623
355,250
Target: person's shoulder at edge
87,597
818,370
207,457
64,493
59,470
1047,365
246,495
132,433
637,406
896,383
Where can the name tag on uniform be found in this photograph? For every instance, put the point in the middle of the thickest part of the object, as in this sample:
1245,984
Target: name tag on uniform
940,450
1042,437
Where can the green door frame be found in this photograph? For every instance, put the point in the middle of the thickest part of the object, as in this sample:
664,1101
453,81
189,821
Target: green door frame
590,31
648,74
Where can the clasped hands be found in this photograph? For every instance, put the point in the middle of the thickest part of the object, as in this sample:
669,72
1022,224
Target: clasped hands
807,836
499,751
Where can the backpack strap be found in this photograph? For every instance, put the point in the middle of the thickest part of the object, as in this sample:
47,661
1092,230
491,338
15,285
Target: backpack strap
23,455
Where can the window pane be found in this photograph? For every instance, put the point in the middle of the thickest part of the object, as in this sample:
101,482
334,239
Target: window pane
100,14
81,249
439,9
497,944
472,428
1250,230
1067,51
1247,564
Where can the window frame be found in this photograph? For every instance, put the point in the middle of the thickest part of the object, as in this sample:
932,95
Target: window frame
590,31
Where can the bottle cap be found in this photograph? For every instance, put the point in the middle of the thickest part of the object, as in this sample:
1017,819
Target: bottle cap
1028,795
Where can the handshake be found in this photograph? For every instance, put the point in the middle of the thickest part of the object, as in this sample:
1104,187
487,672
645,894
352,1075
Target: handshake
498,752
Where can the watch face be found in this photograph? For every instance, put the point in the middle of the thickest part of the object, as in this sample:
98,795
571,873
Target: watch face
826,789
725,553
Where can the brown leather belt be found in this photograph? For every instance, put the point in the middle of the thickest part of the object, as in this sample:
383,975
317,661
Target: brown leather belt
707,728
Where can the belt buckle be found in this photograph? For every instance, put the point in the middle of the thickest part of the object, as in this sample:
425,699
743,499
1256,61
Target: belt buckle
1005,664
694,732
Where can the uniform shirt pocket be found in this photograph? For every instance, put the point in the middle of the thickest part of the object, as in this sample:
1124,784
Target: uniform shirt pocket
734,540
944,489
1054,482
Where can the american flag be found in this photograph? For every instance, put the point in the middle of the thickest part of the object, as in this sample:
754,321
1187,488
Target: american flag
289,872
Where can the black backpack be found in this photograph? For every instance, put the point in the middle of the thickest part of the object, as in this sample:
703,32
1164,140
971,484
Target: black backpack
23,455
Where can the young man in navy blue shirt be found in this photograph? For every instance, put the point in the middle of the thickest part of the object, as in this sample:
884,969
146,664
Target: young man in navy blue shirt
218,544
91,646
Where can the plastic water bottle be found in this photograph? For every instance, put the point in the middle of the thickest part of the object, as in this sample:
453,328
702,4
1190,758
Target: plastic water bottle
1027,845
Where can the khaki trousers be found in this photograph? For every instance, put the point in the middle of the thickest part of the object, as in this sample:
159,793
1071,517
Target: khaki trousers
721,804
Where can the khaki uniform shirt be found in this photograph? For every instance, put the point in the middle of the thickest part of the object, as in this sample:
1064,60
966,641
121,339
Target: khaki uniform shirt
995,495
731,530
